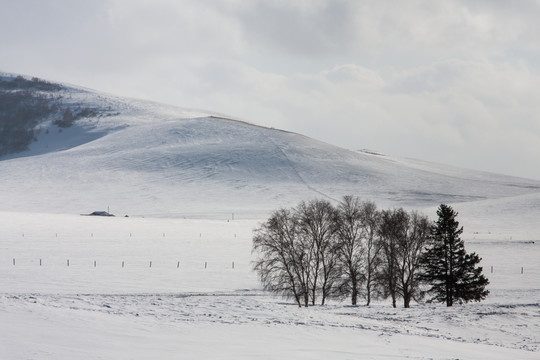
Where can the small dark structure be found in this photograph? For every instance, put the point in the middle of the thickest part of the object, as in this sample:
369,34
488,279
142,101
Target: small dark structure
100,213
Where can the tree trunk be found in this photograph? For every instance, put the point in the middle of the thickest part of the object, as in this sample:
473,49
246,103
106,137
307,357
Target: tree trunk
354,295
406,300
297,298
368,291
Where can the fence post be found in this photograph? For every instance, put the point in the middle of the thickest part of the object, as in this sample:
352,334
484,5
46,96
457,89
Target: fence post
178,265
522,269
205,264
233,264
13,261
150,263
492,269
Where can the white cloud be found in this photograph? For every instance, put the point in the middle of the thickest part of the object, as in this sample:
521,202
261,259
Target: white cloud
184,28
469,111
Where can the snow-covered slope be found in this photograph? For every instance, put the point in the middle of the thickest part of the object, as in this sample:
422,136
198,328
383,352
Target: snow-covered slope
149,159
165,287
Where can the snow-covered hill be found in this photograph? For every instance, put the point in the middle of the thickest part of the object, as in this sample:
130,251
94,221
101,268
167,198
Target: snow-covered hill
165,287
143,158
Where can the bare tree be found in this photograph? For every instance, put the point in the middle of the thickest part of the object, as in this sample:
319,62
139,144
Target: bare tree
316,249
409,252
372,248
392,230
281,266
351,232
317,223
297,252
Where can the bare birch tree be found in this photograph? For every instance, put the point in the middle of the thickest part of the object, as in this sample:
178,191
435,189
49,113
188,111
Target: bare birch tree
410,249
392,230
317,223
372,249
281,266
351,232
318,250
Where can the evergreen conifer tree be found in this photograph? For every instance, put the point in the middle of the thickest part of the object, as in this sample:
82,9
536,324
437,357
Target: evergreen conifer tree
451,273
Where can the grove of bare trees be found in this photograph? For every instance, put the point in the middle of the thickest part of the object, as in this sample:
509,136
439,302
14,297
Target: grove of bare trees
317,251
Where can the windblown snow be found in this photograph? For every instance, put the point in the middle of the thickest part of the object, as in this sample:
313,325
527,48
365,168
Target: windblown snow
173,280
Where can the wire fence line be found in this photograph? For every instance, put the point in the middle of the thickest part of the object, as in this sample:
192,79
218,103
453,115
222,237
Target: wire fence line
132,263
181,264
131,235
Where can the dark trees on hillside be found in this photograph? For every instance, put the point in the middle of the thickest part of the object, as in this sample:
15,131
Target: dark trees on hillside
453,275
25,104
19,114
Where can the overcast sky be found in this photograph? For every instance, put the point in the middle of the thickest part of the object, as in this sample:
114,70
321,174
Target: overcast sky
454,82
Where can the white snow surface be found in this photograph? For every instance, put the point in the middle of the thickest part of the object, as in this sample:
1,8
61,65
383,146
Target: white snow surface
199,298
174,280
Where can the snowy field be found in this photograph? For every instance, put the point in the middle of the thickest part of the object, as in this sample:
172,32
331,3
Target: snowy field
174,281
199,299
